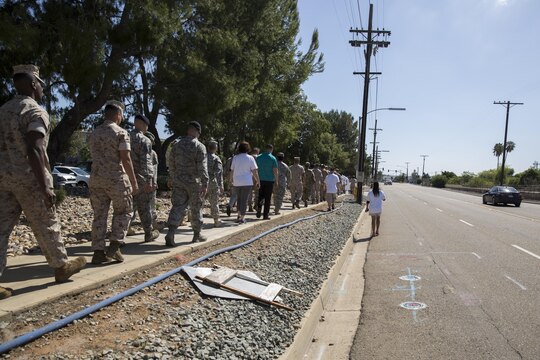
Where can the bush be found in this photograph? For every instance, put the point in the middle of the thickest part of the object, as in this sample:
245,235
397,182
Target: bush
479,183
60,196
439,181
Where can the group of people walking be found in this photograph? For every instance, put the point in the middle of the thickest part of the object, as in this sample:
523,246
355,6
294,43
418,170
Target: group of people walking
124,175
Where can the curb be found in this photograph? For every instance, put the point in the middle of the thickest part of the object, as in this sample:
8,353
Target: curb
311,319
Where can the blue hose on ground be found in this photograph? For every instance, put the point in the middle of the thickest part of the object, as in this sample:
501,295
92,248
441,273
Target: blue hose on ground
33,335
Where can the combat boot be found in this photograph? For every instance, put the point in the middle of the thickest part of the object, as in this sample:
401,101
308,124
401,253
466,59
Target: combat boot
169,238
150,236
197,237
113,251
131,231
217,223
62,274
5,292
305,203
99,257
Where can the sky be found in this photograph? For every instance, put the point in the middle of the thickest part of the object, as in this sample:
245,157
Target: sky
447,62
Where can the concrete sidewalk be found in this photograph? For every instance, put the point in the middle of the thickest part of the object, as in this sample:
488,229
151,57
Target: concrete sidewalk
33,280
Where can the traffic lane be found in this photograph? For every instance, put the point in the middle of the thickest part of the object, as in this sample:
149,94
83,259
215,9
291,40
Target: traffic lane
528,210
445,329
476,281
520,229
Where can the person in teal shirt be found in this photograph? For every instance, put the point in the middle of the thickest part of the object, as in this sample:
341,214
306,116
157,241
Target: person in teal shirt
268,175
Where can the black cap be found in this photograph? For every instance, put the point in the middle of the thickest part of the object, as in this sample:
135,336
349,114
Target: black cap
142,118
196,125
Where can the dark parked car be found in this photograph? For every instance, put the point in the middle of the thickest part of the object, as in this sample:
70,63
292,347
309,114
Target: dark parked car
502,195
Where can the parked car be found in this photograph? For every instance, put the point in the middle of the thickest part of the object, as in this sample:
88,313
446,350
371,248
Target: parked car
502,195
387,182
61,179
82,178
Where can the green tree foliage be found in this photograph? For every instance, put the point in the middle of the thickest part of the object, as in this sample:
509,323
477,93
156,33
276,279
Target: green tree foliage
439,181
497,152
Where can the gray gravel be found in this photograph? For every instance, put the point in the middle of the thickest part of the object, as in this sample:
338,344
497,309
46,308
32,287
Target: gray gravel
181,324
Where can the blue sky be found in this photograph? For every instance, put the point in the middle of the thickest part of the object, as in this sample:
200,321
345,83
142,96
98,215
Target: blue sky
447,62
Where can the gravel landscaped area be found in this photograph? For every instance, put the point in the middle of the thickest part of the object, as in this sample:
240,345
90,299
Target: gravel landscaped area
171,320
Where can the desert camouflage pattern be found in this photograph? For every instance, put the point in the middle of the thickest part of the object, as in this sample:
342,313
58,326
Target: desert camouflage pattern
109,183
19,189
284,176
297,182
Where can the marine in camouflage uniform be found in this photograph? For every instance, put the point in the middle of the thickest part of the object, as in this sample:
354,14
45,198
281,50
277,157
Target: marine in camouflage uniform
26,183
188,166
155,162
141,156
215,181
309,184
322,190
319,180
297,182
284,176
113,180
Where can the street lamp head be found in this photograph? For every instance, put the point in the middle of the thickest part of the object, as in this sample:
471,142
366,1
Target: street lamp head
397,109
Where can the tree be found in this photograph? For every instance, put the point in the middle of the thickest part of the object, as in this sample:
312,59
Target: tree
497,151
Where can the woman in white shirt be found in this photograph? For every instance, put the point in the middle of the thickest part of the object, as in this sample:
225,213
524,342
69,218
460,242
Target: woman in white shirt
374,207
243,173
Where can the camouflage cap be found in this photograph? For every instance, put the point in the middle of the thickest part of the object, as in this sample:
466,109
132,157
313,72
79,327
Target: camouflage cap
280,154
28,69
212,142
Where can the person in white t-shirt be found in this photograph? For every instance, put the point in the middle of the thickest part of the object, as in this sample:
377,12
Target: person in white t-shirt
374,207
243,176
331,181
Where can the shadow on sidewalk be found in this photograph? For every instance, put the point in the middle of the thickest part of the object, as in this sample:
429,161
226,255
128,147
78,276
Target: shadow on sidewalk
361,240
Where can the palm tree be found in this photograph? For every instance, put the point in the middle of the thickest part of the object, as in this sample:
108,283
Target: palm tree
498,150
510,146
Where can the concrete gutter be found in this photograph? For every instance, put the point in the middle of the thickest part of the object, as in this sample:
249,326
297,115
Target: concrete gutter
328,328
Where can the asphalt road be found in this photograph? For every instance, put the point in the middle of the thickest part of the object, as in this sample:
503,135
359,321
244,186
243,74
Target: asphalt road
478,273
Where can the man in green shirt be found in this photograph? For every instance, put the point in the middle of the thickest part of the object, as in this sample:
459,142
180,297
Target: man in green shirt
268,175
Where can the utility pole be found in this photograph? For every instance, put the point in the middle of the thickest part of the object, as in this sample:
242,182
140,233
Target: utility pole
375,129
424,164
368,34
535,164
508,105
407,171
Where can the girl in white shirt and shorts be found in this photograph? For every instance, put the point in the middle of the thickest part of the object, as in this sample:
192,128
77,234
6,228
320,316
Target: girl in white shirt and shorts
374,207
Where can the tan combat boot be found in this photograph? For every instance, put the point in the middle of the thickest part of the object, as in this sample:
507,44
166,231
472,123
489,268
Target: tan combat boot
131,231
99,257
197,237
151,236
5,292
217,223
113,251
62,274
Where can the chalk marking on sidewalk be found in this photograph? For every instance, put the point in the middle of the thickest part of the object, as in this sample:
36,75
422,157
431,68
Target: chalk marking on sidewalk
515,282
439,210
527,251
342,288
466,223
475,254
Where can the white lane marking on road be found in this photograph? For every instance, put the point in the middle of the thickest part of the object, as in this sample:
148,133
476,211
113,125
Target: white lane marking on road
475,254
342,288
527,251
515,282
322,349
439,210
466,223
425,203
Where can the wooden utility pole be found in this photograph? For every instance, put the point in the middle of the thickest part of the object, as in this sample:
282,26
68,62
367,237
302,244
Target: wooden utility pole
369,42
508,105
423,165
407,180
375,129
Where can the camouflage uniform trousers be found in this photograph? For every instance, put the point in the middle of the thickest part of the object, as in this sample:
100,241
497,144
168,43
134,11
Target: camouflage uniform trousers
308,193
184,195
322,191
296,192
122,202
43,222
317,196
279,194
213,198
153,210
142,204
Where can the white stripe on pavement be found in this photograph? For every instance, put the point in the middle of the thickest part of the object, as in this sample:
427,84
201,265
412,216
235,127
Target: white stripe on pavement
466,223
439,210
527,251
475,254
515,282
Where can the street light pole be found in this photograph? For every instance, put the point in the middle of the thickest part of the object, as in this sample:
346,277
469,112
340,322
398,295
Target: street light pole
408,162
